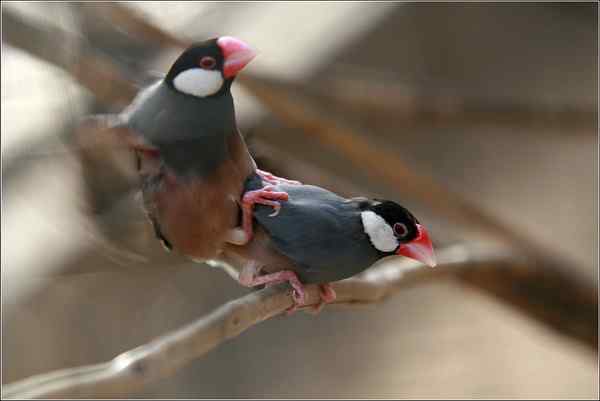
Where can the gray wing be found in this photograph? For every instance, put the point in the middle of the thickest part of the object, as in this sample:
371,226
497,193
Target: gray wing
320,232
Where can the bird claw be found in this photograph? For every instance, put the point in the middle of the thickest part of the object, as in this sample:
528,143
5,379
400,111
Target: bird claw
299,298
298,294
327,294
265,196
291,310
276,209
249,277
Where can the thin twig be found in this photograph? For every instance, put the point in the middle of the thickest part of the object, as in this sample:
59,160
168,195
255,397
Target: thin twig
162,357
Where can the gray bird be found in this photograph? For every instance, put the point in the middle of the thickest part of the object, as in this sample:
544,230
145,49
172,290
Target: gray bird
319,237
191,157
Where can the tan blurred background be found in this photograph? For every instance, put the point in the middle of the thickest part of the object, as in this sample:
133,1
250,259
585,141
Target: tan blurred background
532,162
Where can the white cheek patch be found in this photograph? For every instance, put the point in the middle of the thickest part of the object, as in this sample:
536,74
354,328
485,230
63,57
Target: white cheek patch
380,233
198,82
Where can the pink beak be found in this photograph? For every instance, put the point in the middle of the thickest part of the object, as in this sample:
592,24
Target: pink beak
236,54
419,249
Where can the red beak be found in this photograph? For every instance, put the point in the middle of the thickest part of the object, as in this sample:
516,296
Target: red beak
419,249
236,54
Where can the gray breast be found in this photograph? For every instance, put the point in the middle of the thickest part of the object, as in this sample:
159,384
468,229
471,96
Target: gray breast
190,132
320,232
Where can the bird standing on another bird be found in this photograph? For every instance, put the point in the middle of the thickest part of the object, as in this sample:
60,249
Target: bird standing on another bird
319,237
191,156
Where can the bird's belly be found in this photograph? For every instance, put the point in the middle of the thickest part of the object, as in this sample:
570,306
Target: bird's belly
258,250
194,227
263,251
196,216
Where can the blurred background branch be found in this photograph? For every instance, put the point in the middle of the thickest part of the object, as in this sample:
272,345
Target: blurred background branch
285,101
332,114
131,370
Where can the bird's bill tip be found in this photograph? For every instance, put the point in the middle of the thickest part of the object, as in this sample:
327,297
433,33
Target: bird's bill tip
420,249
236,53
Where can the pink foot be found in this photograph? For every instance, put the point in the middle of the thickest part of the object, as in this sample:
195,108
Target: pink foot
266,196
274,180
298,294
327,294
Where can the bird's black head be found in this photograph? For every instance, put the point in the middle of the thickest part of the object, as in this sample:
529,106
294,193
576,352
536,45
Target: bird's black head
392,229
208,68
402,222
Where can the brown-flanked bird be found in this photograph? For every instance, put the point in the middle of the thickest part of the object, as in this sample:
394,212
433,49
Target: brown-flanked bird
191,156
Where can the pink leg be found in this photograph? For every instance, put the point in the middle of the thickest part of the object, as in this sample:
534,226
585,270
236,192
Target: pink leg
327,294
283,276
266,196
298,295
274,180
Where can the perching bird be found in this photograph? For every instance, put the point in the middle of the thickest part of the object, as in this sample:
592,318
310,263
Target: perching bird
320,237
191,156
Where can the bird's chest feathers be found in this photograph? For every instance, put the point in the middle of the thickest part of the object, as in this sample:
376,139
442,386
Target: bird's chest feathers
191,133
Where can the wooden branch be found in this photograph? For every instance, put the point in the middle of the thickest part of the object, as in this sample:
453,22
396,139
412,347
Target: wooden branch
162,357
546,289
540,286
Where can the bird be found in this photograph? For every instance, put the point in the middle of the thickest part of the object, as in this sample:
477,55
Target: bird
191,157
319,237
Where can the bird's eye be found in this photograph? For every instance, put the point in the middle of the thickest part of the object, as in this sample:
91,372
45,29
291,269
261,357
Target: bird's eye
400,230
207,62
